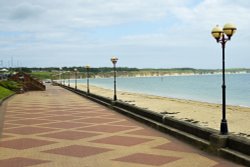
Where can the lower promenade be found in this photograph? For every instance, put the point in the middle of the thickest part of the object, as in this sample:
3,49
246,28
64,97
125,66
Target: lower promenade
57,128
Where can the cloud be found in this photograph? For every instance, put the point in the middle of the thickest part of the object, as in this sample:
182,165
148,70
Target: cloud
78,28
25,11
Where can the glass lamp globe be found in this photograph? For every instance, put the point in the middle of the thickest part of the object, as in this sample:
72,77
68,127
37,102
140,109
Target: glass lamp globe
217,32
229,29
114,60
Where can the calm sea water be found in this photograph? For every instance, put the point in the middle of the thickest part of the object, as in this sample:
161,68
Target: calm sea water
206,88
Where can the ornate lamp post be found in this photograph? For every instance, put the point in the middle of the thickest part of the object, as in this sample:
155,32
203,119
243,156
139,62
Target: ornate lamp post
75,78
69,79
87,76
222,36
114,61
63,77
60,75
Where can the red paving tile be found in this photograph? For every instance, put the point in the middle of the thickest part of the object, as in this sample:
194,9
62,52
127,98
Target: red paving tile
20,162
24,143
60,113
9,125
26,130
125,123
97,120
89,114
30,121
9,119
122,140
62,118
66,125
40,115
176,147
78,151
145,132
148,159
106,128
70,135
31,110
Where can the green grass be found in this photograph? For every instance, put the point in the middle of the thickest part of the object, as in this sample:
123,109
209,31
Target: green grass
41,75
5,92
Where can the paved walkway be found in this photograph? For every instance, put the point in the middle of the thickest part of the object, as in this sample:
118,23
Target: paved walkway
57,128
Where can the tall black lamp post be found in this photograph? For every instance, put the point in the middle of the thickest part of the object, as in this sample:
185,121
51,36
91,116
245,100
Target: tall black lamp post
75,78
60,75
87,76
63,77
69,79
222,36
114,61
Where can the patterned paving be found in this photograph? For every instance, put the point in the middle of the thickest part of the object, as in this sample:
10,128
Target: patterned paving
57,128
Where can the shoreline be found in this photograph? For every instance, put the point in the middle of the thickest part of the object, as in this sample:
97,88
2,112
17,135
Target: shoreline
201,113
198,96
171,75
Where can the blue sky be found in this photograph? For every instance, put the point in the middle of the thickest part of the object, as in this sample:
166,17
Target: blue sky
141,33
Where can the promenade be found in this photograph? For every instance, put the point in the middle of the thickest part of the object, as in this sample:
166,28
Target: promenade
57,128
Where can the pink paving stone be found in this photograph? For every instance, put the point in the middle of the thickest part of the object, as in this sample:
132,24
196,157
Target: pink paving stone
96,120
24,143
122,140
70,135
113,116
145,132
125,123
66,125
12,114
173,146
88,114
148,159
106,128
62,118
78,151
31,110
30,121
26,130
20,162
40,115
61,113
9,119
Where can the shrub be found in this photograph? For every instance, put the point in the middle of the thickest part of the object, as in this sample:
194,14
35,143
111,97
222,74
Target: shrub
11,85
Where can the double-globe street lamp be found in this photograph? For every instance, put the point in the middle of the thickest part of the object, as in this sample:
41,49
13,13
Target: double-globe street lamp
114,61
63,77
222,36
87,76
69,79
75,78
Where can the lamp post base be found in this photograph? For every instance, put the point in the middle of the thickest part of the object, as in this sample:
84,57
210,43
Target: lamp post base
115,98
223,127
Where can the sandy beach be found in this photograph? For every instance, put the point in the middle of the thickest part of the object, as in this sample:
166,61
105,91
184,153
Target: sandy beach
200,113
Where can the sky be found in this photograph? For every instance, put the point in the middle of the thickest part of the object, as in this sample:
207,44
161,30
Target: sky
141,33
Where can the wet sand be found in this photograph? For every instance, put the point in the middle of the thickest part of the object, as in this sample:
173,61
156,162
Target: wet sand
200,113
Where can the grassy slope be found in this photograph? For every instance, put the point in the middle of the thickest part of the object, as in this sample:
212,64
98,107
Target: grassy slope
41,75
4,92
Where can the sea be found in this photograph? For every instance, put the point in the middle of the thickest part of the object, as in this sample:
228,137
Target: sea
204,88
